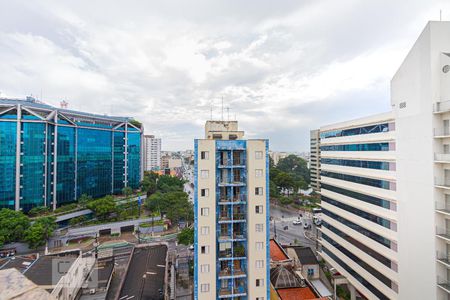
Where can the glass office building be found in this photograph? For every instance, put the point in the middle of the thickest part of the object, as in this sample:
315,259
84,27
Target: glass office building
51,156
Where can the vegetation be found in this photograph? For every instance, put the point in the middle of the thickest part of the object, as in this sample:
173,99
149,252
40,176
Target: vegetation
103,207
39,232
13,225
38,211
288,176
127,191
186,236
136,123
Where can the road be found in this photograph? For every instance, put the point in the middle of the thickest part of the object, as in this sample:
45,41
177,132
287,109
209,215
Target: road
281,218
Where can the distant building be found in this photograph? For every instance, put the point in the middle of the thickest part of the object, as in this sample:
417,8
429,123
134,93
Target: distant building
152,153
231,209
51,156
314,160
276,156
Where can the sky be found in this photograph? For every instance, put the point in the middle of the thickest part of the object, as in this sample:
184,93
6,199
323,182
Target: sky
281,67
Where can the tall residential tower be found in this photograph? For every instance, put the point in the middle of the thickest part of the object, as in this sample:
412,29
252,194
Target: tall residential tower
152,153
385,183
231,208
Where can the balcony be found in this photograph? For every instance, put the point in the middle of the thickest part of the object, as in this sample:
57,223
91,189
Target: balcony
442,158
232,292
443,259
443,234
443,183
224,217
442,208
239,216
224,236
225,272
233,182
441,107
441,133
235,199
443,284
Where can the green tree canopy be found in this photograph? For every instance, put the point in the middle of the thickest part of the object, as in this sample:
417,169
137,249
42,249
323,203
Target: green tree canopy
186,236
12,225
39,232
102,207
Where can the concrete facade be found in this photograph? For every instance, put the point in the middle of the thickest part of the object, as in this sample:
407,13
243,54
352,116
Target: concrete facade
152,153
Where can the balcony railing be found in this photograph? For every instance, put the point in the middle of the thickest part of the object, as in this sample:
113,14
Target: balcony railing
224,236
442,182
444,157
232,291
239,216
440,107
225,272
444,132
443,284
442,207
443,233
224,217
225,254
238,198
443,258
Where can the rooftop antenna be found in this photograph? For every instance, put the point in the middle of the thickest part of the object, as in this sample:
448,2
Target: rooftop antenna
222,108
228,112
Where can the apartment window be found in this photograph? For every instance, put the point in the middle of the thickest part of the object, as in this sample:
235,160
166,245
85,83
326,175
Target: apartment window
258,173
258,154
204,192
204,230
259,246
259,264
204,155
259,227
204,211
258,190
204,288
259,209
204,268
204,174
259,282
204,249
259,298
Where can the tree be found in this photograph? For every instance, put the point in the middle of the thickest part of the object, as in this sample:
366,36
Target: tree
12,225
39,232
292,164
77,220
127,191
186,236
38,210
102,207
84,199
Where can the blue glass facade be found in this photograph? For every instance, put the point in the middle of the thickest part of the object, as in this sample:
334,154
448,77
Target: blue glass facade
356,131
377,165
64,156
357,147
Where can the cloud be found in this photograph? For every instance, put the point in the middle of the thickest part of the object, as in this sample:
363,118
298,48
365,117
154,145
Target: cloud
283,67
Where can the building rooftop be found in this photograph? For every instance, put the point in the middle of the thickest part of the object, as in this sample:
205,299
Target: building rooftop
302,293
14,285
283,277
20,263
306,255
277,253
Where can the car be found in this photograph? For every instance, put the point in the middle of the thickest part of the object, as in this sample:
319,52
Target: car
285,227
297,222
191,247
306,226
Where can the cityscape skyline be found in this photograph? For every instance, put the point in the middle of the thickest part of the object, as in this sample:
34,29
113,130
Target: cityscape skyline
147,69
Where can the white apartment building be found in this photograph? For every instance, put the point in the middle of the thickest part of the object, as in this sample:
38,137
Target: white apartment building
152,153
314,159
231,207
385,183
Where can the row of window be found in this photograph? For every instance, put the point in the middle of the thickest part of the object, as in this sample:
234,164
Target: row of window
358,277
378,165
385,261
259,191
384,184
385,127
357,147
204,174
359,261
355,195
204,155
360,213
376,237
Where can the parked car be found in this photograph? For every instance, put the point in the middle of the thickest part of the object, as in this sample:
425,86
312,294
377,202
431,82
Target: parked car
286,227
306,226
297,222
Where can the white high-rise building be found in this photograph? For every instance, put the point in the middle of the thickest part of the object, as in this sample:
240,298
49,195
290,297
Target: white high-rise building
231,209
385,183
152,153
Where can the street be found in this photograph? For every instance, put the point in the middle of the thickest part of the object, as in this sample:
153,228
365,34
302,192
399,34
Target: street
281,218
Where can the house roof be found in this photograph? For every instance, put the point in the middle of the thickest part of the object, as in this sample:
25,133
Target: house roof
14,285
302,293
282,277
276,252
306,255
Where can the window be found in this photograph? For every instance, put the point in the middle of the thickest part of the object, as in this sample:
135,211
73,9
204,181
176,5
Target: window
259,264
259,246
204,192
204,211
259,209
204,288
204,230
204,268
258,154
310,272
259,282
204,174
204,155
204,249
259,227
258,173
258,190
259,298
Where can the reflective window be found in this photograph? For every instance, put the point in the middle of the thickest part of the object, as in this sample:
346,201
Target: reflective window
359,196
65,181
357,147
379,165
7,164
357,179
134,159
356,131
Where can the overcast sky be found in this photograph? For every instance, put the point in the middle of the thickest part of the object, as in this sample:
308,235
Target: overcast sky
283,67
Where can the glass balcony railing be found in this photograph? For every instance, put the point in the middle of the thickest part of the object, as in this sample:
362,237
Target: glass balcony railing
442,207
442,182
443,258
236,198
444,157
440,107
443,284
443,233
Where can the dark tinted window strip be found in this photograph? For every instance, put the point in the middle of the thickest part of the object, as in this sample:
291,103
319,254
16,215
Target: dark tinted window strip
355,131
358,277
376,237
366,198
385,261
357,179
357,147
357,260
375,219
378,165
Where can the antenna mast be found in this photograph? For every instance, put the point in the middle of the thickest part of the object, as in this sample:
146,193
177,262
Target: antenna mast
222,108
